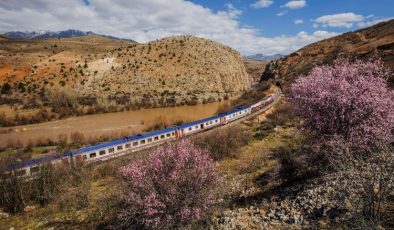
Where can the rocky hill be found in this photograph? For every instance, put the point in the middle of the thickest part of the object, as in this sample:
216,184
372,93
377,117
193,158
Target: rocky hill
375,41
174,70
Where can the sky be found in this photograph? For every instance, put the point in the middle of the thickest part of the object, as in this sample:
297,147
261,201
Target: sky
249,26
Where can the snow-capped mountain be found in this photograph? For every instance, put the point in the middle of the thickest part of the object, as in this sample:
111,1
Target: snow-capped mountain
262,57
19,35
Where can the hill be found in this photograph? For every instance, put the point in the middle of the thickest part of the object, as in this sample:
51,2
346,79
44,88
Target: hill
254,68
375,41
166,72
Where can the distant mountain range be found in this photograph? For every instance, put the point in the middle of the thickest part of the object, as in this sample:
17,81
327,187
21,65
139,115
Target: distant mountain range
71,33
262,57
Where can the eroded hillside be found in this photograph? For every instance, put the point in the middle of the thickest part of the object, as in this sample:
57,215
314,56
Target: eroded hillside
166,72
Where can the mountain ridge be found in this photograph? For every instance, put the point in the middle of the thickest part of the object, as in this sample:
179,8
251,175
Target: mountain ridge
263,57
70,33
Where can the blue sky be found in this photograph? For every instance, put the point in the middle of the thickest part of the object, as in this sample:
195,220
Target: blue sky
249,26
269,24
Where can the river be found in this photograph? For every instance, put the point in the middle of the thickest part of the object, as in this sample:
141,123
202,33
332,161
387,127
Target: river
95,125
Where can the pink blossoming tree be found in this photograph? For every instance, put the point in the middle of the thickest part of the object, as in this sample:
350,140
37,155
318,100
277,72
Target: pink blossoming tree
169,188
347,104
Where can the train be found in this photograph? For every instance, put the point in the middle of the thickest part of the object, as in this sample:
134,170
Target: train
128,144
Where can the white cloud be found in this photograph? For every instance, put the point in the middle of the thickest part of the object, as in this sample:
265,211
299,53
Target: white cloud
298,21
281,13
262,4
295,4
232,12
346,20
147,20
372,22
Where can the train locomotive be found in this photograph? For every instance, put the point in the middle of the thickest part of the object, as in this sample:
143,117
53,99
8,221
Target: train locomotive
119,147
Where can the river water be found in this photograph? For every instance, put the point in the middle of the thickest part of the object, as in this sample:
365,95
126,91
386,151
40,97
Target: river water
107,123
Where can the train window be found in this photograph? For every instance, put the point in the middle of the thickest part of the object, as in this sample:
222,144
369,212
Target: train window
92,155
156,138
102,152
149,139
84,157
216,120
128,146
143,142
168,134
162,137
21,172
119,147
34,169
111,150
173,133
135,143
190,128
196,127
210,122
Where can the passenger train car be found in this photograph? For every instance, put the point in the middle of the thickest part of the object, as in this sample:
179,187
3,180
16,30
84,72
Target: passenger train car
137,142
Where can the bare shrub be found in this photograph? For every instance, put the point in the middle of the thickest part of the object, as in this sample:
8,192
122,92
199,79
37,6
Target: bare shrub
16,191
12,196
46,184
162,122
368,179
224,142
281,116
77,138
64,102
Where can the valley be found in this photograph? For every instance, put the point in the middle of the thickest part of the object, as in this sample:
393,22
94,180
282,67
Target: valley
190,115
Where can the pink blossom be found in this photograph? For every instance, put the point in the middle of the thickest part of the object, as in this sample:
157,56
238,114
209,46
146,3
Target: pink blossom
348,102
171,187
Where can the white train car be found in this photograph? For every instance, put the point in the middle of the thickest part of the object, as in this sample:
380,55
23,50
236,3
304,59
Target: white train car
235,114
197,126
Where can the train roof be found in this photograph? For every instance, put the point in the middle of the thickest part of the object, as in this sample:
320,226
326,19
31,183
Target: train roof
123,140
159,132
36,161
236,110
111,143
199,121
